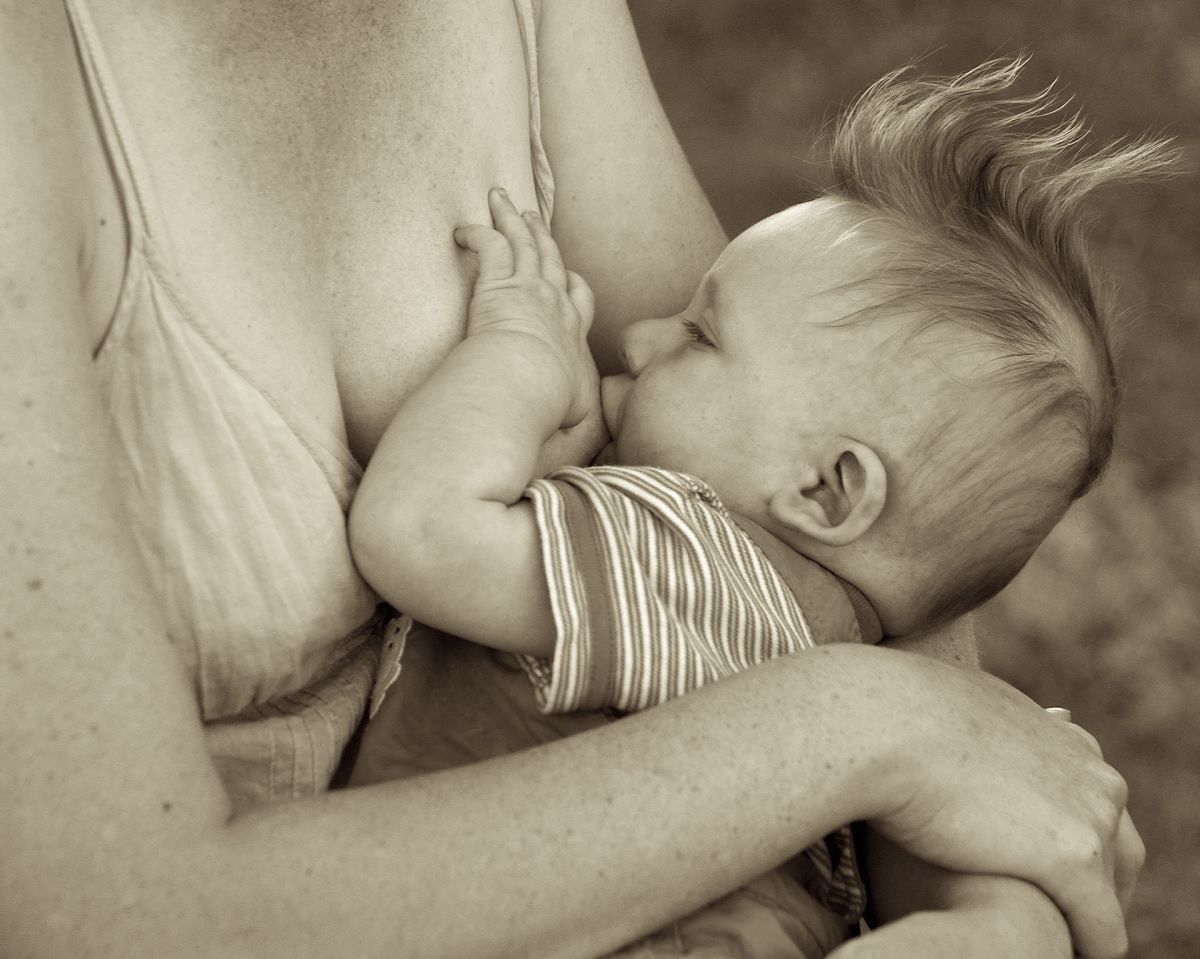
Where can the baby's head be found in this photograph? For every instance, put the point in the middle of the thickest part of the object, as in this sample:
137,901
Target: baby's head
908,379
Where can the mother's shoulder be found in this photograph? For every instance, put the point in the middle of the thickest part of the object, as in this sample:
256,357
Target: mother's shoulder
43,123
36,51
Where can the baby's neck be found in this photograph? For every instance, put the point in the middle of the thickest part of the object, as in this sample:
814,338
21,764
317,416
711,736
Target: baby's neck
803,574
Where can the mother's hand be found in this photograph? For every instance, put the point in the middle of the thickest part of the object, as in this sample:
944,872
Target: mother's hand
980,779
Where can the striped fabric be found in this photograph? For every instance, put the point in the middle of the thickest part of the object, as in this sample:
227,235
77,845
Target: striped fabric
656,591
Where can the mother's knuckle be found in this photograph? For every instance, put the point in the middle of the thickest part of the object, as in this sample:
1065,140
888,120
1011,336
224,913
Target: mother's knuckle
1138,857
1113,786
1079,848
1089,851
1137,852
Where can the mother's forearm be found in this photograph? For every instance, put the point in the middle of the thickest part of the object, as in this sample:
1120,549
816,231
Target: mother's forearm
566,850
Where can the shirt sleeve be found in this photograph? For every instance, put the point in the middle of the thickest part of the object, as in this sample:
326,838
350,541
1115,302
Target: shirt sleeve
654,590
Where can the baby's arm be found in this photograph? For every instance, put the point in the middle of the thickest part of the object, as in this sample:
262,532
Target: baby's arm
438,526
933,913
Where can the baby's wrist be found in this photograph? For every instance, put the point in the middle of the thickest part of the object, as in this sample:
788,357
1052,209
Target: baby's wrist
528,367
959,890
1011,911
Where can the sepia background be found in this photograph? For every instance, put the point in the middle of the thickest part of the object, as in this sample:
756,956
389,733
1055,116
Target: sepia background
1106,619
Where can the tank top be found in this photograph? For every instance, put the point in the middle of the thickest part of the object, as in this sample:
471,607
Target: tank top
237,504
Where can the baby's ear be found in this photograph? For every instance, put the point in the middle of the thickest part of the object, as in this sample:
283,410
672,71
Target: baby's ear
837,498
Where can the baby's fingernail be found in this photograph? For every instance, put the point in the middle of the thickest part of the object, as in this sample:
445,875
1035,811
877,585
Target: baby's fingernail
500,192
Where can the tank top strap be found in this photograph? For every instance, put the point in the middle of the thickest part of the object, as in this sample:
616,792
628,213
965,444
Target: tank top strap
543,177
116,133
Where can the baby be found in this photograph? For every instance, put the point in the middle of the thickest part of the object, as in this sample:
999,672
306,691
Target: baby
875,407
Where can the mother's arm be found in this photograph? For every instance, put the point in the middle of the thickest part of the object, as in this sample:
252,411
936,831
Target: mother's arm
629,215
117,835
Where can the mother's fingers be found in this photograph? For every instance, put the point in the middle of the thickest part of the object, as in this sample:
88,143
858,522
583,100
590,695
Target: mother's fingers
1129,852
1131,856
1065,716
1092,742
1095,917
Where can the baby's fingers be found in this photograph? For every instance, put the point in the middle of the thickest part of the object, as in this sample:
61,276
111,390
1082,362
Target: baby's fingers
580,295
509,222
551,259
494,251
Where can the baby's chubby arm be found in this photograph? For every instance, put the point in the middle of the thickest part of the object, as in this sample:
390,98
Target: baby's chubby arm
949,915
438,526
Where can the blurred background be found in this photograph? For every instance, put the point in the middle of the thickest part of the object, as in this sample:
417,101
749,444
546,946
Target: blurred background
1106,619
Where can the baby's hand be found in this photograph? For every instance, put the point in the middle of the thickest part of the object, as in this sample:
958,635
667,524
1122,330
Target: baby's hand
524,289
996,918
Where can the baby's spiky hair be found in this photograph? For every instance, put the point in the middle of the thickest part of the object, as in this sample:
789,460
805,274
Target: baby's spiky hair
990,213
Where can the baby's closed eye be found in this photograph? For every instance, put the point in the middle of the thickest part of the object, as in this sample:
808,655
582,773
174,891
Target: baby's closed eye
694,331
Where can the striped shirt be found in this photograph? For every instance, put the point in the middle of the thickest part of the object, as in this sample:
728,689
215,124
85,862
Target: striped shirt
655,591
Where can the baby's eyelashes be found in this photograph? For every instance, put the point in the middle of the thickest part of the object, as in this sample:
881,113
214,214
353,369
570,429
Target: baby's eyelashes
694,332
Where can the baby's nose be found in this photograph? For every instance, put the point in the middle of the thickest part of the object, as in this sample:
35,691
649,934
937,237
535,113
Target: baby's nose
638,344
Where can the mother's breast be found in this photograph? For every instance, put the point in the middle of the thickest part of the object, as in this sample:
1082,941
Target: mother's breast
426,145
398,300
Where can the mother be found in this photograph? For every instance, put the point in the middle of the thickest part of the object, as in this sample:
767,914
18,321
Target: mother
225,259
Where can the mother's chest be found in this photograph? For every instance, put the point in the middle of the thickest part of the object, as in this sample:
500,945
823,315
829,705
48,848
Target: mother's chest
309,162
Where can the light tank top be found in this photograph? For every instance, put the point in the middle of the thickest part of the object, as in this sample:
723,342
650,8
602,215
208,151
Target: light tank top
237,504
